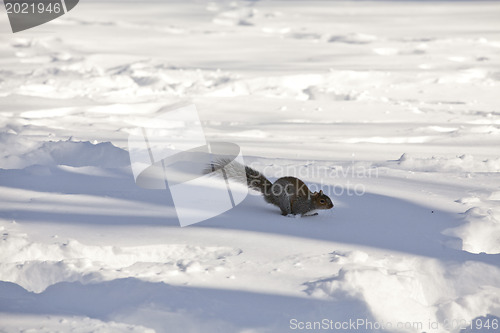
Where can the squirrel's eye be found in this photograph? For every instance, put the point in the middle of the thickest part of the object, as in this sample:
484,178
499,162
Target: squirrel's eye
322,201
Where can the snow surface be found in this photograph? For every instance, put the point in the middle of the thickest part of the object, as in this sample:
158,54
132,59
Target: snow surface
390,107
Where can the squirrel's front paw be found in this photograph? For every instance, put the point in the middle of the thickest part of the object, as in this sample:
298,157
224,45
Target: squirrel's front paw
310,214
292,215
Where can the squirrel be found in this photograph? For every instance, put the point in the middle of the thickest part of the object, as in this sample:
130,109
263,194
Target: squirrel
290,194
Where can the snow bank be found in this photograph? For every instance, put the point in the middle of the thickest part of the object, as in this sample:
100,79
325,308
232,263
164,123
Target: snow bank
481,231
463,163
70,153
406,294
47,324
36,266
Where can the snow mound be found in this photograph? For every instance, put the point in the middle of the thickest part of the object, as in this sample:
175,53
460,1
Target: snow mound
236,16
47,324
481,231
404,294
336,85
463,163
70,153
64,76
354,38
36,266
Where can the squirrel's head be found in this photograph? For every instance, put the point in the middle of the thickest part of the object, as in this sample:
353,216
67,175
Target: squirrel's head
321,200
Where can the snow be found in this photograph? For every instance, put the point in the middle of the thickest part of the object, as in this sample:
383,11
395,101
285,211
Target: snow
390,108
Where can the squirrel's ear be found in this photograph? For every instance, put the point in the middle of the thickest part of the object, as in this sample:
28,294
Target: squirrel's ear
320,192
314,194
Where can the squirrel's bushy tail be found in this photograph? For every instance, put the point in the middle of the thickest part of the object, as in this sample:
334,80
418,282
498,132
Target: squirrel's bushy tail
251,177
257,181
